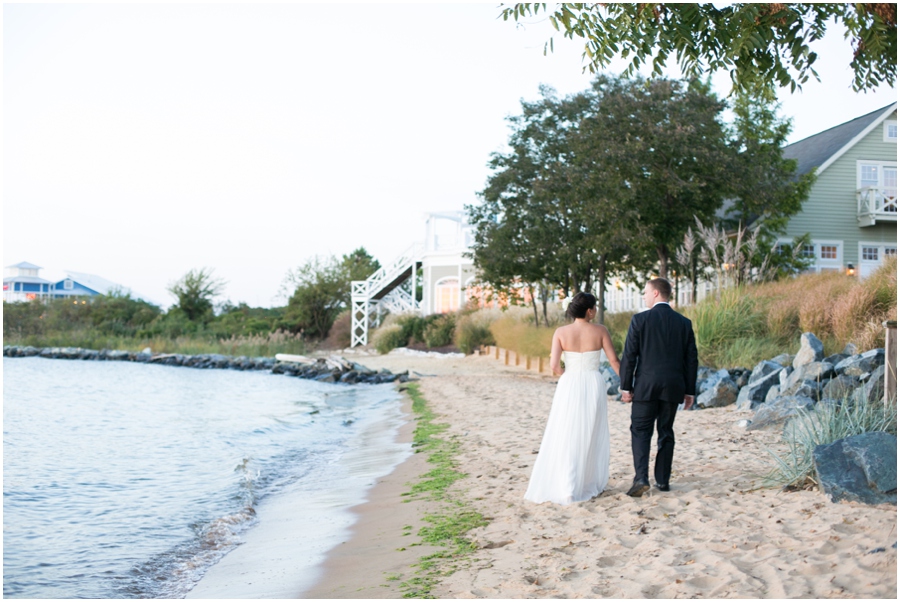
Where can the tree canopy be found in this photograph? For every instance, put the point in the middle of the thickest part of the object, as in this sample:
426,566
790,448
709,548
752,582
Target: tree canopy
195,292
757,43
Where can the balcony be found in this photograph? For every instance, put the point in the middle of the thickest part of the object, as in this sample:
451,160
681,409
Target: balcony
876,205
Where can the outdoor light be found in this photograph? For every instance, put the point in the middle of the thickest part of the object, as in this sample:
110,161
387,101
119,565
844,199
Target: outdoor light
851,271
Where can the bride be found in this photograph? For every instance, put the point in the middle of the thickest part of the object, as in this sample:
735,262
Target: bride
573,461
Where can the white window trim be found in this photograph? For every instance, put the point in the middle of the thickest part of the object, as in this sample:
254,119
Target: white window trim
887,124
439,284
881,164
68,284
819,263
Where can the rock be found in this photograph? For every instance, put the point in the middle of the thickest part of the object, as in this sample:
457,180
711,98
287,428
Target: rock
816,372
873,389
774,393
710,380
836,359
850,349
147,351
785,359
861,468
723,392
857,365
612,379
703,373
780,409
764,368
741,379
755,392
742,424
783,377
840,387
805,388
350,378
811,350
874,356
142,357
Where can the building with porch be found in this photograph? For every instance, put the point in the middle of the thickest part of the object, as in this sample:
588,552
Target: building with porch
21,282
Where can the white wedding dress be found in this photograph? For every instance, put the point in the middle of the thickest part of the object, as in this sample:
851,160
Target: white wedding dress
573,461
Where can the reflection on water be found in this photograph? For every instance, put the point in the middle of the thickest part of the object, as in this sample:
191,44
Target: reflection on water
130,480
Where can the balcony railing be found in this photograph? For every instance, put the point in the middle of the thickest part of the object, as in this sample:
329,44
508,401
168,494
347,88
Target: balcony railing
876,205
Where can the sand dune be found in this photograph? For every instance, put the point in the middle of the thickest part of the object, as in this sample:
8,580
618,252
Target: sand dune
717,534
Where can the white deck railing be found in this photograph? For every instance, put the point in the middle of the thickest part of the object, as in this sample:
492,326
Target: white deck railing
876,205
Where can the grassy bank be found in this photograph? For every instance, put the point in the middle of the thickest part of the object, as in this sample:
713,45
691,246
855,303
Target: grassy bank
446,528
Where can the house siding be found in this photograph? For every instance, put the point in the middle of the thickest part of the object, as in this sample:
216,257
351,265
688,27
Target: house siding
829,214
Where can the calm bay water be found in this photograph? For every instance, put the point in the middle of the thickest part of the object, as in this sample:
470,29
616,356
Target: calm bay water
130,480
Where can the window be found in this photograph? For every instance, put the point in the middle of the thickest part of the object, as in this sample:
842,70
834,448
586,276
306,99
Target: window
829,251
877,183
890,131
870,253
808,251
825,255
890,251
68,284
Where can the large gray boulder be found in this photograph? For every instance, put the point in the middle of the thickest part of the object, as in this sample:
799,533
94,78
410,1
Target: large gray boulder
872,390
755,392
723,392
612,379
779,409
806,388
861,468
811,350
785,359
711,379
814,371
764,368
857,365
840,387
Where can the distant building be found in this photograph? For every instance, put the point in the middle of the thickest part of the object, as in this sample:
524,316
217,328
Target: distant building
22,283
77,284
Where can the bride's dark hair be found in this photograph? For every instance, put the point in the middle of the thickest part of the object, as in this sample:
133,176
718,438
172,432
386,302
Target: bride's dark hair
580,305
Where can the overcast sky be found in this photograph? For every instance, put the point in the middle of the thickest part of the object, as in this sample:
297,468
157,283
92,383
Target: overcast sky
141,141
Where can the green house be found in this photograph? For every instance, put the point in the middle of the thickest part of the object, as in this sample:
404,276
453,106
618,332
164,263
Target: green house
851,213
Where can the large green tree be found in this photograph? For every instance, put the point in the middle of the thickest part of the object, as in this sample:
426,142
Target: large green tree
758,43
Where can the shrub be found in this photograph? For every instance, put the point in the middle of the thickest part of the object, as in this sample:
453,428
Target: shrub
339,336
389,336
720,322
825,424
439,332
472,331
512,333
618,324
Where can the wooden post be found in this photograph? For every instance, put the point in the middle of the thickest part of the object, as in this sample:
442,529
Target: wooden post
528,362
890,362
506,357
496,353
541,364
517,358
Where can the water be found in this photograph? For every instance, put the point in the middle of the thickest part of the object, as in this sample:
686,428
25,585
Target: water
126,480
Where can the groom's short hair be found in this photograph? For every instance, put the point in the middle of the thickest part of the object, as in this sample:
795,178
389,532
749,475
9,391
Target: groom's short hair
663,286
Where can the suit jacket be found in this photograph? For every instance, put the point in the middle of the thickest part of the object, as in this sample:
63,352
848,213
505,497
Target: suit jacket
660,356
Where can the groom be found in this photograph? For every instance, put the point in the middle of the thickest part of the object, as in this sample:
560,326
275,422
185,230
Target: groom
658,372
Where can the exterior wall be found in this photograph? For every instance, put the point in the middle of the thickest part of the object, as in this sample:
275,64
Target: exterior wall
77,290
830,212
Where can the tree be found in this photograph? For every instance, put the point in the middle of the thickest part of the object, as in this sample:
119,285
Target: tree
320,290
666,143
195,292
758,43
768,191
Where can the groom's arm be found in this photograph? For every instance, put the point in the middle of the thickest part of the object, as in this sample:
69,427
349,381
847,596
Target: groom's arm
629,358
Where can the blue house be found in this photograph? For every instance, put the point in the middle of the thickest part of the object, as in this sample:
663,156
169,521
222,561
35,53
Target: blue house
22,283
77,284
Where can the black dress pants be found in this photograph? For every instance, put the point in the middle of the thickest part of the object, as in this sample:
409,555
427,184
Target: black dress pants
643,415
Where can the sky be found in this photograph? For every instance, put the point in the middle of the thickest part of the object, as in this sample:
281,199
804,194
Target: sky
141,141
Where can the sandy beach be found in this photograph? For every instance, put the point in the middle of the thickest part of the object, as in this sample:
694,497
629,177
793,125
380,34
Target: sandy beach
717,534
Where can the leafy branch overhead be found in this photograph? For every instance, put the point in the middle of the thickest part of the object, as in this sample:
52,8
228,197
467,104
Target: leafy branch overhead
758,43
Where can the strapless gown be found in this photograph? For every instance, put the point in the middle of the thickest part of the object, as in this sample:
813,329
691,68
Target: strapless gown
573,462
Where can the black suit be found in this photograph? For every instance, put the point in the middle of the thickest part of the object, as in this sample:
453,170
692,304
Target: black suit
659,365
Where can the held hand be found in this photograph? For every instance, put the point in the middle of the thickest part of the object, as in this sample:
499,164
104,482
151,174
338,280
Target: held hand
627,396
688,401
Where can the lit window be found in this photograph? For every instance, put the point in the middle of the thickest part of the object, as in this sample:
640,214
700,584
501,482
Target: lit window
870,253
829,252
446,295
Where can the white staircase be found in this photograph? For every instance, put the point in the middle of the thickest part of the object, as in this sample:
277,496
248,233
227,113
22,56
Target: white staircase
382,292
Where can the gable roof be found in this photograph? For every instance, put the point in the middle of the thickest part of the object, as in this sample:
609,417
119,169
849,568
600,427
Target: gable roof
824,148
25,266
96,283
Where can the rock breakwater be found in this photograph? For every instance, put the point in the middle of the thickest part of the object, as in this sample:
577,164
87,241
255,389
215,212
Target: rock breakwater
332,369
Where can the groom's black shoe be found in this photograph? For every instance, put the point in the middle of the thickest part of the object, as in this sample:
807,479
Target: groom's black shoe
662,486
638,488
